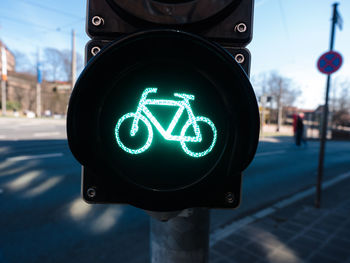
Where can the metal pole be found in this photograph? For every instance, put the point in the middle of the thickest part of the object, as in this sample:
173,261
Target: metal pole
262,123
3,79
3,97
38,86
38,99
279,114
74,61
334,20
181,239
325,120
322,147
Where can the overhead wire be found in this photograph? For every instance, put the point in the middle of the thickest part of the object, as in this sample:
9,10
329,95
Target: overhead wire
51,9
48,8
71,24
283,18
47,29
24,22
286,31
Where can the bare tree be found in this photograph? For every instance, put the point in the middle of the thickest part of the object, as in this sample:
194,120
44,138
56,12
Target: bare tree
53,64
341,102
23,63
283,91
67,63
342,96
57,64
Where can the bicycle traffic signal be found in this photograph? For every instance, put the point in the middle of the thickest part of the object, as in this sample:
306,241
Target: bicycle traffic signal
163,120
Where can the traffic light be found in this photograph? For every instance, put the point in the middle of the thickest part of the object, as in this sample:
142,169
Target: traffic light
161,119
225,21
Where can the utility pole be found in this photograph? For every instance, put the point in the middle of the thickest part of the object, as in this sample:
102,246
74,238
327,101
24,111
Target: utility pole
3,97
263,100
74,61
38,86
279,105
325,115
3,79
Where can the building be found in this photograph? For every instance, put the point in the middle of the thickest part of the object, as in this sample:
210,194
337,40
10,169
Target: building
21,89
11,62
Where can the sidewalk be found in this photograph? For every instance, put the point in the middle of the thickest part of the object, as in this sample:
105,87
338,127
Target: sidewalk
295,233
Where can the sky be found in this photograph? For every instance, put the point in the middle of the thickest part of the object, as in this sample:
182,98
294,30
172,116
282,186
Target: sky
288,36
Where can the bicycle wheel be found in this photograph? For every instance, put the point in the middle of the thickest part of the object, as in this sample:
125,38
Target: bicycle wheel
189,124
149,138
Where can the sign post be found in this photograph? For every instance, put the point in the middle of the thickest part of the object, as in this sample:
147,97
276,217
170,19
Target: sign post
38,87
328,63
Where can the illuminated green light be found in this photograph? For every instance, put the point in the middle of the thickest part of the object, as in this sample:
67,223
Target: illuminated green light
167,134
200,154
149,139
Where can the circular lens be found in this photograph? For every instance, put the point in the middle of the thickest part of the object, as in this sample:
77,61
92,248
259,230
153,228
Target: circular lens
159,124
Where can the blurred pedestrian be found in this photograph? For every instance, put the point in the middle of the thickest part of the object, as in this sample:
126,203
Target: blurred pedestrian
295,118
299,130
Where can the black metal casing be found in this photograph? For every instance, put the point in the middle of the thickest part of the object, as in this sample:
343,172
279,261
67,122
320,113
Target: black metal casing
215,20
189,46
236,52
99,89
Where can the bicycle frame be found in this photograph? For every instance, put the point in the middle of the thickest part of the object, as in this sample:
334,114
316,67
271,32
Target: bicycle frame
182,104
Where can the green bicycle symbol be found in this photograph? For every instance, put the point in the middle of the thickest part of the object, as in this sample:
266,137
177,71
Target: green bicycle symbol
183,104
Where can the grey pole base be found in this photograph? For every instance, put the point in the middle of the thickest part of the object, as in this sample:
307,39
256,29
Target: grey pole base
182,239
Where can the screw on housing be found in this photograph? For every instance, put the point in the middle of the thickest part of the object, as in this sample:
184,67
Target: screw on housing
240,28
97,21
230,198
239,58
91,192
95,50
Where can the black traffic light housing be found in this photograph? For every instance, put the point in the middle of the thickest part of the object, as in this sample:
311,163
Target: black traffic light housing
163,177
164,117
240,54
228,22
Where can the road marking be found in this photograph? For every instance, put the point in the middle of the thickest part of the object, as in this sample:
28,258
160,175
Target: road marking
294,198
46,134
43,187
224,232
269,139
31,157
264,212
270,153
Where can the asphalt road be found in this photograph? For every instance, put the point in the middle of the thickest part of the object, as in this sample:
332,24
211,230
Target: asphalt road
43,218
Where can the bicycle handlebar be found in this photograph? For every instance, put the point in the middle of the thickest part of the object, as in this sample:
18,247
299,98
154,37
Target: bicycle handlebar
184,96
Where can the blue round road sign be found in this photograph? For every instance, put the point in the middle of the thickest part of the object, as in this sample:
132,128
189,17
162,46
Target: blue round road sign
329,62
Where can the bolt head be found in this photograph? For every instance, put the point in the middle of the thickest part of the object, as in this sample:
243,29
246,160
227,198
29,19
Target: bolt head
95,50
239,58
230,198
91,192
240,28
97,21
